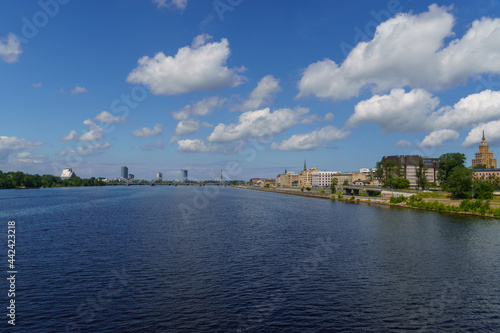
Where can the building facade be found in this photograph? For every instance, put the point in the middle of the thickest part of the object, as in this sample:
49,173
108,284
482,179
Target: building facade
305,177
184,176
159,176
124,173
344,178
409,166
485,173
484,157
323,179
68,173
287,179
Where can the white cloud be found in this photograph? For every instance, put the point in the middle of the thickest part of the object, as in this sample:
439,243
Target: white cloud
146,132
95,132
404,143
258,124
30,158
408,50
473,109
70,137
78,90
86,149
201,66
416,111
9,145
201,108
437,138
156,146
180,4
37,85
311,119
196,146
107,118
396,112
329,116
10,49
311,140
491,133
189,126
264,93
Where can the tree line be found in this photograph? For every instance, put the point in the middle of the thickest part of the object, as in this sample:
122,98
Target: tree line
18,179
453,176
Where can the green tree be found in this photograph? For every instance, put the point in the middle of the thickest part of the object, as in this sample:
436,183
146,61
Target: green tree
483,190
459,182
448,162
421,173
346,182
398,183
480,166
379,171
388,169
333,185
495,181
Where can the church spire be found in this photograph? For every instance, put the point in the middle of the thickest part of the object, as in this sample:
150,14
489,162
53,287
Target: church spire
483,136
305,165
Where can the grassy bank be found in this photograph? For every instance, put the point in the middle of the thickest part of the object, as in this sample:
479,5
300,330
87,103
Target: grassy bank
438,202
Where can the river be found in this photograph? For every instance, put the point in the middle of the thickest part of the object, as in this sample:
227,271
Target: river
222,259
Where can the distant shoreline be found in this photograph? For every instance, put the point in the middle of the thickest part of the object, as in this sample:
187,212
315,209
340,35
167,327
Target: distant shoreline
363,200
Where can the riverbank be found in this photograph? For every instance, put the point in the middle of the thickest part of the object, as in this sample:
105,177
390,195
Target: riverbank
374,200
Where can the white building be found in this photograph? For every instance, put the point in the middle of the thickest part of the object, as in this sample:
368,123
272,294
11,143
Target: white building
67,174
365,171
323,178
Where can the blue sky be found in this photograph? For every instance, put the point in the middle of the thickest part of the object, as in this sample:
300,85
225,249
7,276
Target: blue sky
250,87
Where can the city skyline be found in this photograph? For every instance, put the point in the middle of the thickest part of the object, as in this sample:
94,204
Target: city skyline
164,85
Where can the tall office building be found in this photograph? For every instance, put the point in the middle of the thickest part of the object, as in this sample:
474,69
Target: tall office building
124,172
184,176
484,157
159,176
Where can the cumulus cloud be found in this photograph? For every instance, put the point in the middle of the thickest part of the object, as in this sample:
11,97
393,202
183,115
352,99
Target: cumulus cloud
146,132
264,93
491,133
329,116
396,112
37,85
107,118
201,108
311,141
473,109
408,50
9,145
437,138
153,146
78,90
95,132
201,66
70,137
189,126
30,158
180,4
197,146
258,124
86,149
404,143
10,49
417,110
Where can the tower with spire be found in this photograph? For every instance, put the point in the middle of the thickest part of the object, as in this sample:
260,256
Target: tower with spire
484,156
305,168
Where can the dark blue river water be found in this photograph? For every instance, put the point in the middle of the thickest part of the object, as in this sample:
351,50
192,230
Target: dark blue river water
215,259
